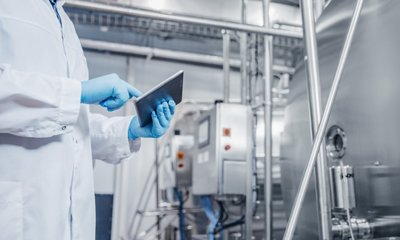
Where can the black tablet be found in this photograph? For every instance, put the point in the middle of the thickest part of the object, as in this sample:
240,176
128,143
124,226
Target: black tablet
171,88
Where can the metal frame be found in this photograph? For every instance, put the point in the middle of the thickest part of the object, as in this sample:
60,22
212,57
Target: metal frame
171,55
129,11
322,126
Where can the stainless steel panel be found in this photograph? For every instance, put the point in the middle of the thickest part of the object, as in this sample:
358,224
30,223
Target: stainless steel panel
342,187
234,173
176,169
365,107
216,164
205,166
183,165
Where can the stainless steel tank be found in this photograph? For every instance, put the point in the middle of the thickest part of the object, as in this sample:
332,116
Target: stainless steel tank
367,108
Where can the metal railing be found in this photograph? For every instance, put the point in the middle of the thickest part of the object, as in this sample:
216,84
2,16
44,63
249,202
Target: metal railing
128,11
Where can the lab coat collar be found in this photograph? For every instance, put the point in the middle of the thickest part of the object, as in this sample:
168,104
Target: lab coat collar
59,2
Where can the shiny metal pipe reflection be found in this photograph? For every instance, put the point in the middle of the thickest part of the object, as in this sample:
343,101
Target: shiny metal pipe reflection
134,12
315,106
243,68
322,127
268,125
226,48
243,57
250,185
172,55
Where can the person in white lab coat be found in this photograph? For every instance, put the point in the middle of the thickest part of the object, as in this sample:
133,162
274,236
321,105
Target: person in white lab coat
48,137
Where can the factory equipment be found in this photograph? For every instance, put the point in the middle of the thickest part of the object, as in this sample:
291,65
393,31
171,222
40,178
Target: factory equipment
176,170
245,164
223,144
364,176
342,187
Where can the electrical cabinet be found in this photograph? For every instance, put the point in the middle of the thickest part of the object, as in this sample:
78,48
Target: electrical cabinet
223,146
176,169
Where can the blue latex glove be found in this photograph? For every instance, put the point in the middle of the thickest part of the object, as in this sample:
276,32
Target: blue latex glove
109,91
161,119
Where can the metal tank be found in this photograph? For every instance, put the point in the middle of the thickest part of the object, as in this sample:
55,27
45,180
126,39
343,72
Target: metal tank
366,109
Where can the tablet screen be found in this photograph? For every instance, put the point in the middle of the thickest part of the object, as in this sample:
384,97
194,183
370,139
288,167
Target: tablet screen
170,89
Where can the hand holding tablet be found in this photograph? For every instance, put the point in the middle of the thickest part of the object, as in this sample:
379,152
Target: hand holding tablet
169,89
155,109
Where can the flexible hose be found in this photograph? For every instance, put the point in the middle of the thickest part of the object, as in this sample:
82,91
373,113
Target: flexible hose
206,204
181,214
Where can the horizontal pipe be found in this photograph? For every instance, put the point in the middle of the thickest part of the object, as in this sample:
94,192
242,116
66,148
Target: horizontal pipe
171,211
377,228
134,12
168,54
385,227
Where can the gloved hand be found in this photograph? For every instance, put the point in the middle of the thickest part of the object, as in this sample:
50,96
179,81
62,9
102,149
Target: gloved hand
161,119
109,91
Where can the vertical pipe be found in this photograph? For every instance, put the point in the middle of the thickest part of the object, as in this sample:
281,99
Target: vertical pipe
250,125
119,203
244,11
226,42
322,127
244,83
250,183
315,106
157,166
268,125
243,57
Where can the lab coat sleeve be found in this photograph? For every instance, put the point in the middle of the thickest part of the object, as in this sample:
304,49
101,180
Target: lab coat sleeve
37,105
109,138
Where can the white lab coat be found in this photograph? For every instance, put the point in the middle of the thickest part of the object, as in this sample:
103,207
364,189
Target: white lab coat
47,139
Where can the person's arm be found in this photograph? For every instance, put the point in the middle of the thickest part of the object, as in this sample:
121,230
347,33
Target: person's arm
109,137
117,138
37,105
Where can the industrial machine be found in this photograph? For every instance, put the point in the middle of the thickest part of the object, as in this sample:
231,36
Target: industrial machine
362,135
223,146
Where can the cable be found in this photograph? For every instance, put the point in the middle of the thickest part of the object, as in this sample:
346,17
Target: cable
223,212
181,214
240,221
206,203
187,196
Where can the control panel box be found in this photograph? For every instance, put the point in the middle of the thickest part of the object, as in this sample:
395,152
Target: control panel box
223,145
176,169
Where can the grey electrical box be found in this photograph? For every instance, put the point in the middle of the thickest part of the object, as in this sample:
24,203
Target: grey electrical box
223,145
176,169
